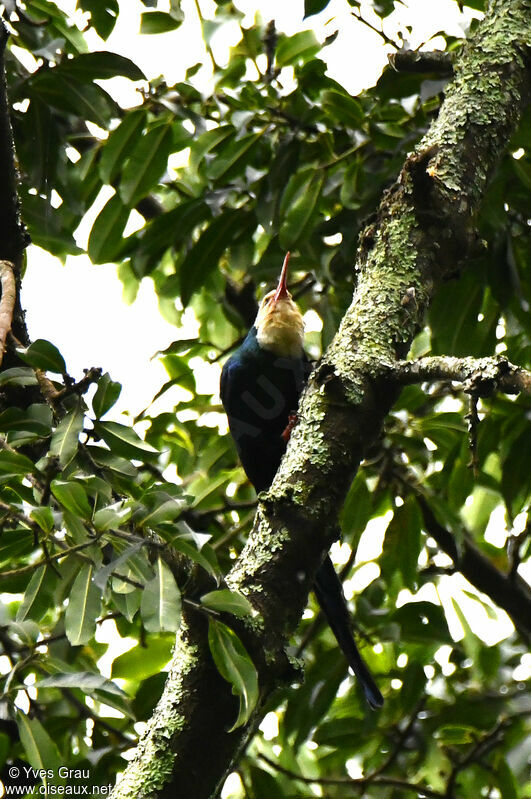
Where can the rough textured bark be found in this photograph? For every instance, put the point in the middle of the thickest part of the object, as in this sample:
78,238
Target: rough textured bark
420,235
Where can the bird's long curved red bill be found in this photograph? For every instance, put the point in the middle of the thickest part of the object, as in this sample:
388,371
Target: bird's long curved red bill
282,289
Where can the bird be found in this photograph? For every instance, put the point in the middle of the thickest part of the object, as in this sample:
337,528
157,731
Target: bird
260,386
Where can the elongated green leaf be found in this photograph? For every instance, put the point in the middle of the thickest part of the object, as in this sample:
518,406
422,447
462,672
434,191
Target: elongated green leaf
43,515
18,376
44,355
103,16
86,681
232,157
314,6
344,109
403,541
36,419
84,607
102,575
302,45
15,463
106,395
172,227
506,780
146,164
298,215
123,441
112,517
457,734
72,496
153,22
203,257
141,662
161,601
83,100
41,751
116,149
164,508
229,602
66,437
105,237
100,66
38,595
235,666
207,141
114,462
205,557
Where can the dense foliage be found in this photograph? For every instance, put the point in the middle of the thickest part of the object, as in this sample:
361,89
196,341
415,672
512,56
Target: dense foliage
280,157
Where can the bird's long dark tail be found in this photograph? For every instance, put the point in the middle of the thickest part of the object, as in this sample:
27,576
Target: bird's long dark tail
329,593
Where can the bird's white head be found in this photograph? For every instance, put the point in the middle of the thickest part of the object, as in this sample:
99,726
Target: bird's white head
279,325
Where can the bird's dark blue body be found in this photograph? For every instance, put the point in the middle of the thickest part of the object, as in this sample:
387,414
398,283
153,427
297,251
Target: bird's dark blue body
259,390
260,387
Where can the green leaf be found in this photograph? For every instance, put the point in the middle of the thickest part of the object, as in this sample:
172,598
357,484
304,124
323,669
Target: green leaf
235,666
403,540
33,422
123,441
203,257
18,376
147,162
84,606
144,660
161,601
227,601
163,508
113,462
85,681
456,735
40,749
314,7
298,214
344,109
506,779
14,463
106,395
106,236
38,596
72,496
102,575
300,46
153,22
66,93
357,508
111,517
65,439
44,355
118,146
232,157
44,517
103,15
207,558
207,141
100,66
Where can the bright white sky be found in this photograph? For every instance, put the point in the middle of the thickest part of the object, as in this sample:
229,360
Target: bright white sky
79,307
